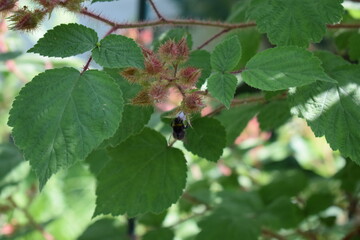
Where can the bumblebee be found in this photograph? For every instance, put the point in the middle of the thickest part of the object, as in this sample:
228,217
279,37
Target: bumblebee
179,125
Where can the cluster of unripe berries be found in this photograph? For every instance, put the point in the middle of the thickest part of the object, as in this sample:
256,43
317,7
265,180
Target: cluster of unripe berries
26,20
166,69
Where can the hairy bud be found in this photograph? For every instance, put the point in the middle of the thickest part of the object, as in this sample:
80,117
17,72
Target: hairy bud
142,98
193,103
158,92
132,74
72,5
168,52
153,65
183,50
6,5
26,20
189,76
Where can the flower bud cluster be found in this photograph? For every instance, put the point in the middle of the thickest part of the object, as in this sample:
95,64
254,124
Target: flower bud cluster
166,69
27,20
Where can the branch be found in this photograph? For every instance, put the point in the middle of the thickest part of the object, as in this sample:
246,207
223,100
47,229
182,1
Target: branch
353,233
214,37
38,227
187,22
156,10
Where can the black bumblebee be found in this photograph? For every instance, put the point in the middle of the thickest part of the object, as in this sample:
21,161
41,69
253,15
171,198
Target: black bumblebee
179,125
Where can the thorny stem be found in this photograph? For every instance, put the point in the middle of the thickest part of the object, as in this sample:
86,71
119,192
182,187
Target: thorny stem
213,38
187,22
159,15
38,227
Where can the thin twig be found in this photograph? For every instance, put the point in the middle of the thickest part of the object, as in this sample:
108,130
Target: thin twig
187,22
159,15
214,37
38,227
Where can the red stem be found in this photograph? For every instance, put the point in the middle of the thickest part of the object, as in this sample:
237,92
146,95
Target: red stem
159,15
214,37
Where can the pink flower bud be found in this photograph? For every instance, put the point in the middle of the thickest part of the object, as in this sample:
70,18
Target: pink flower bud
26,20
189,76
193,103
132,74
183,50
168,52
158,92
142,98
7,5
153,65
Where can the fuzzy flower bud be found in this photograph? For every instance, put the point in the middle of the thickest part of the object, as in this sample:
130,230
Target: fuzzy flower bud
26,20
132,74
189,76
7,5
193,103
142,98
158,92
153,65
168,52
72,5
183,50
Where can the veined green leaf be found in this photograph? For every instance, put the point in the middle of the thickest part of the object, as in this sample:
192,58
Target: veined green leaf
66,40
144,175
226,55
61,116
222,86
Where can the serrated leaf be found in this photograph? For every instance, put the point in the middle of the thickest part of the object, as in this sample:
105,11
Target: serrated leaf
97,160
105,229
281,214
161,233
133,123
285,184
283,67
226,55
236,218
61,116
144,175
116,51
295,22
273,115
250,42
238,11
206,138
222,86
175,34
332,110
236,119
66,40
200,59
318,202
10,157
9,55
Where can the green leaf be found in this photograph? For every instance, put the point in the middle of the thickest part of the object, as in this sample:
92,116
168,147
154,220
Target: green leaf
10,157
151,219
129,90
175,34
250,40
161,233
61,116
226,55
349,177
222,86
200,59
236,119
144,175
318,202
295,22
280,214
206,138
105,229
273,115
116,51
285,184
9,55
233,219
66,40
283,67
354,47
133,123
332,110
238,11
97,160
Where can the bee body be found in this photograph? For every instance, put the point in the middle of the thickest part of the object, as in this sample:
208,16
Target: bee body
179,125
